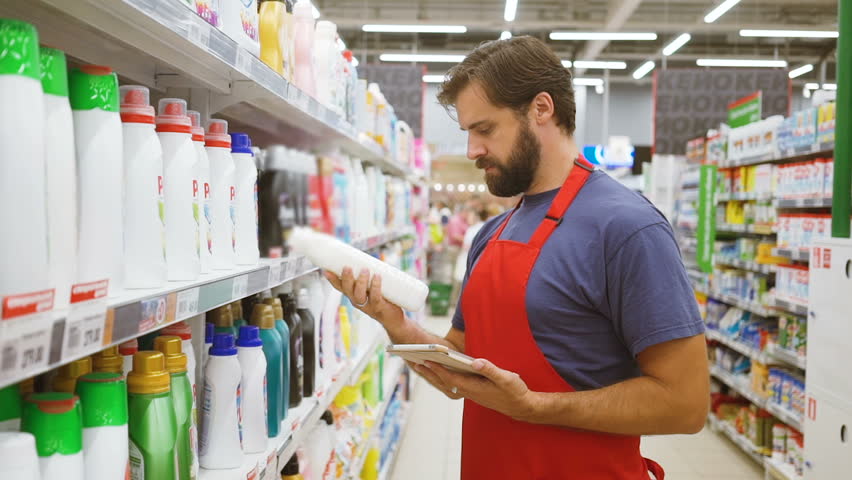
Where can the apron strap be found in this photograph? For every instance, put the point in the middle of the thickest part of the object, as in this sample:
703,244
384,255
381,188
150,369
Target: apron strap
576,179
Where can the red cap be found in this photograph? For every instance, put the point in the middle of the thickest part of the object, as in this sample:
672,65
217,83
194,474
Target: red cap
129,347
180,329
135,104
347,54
217,134
95,70
172,116
197,129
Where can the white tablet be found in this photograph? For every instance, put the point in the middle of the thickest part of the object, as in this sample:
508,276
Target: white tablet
420,353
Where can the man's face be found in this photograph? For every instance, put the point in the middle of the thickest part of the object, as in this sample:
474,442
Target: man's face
500,141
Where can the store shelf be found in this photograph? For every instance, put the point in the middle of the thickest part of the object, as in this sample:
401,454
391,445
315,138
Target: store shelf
745,265
739,440
785,415
743,196
792,307
747,305
786,356
738,346
779,470
755,229
739,384
794,254
804,202
388,467
789,155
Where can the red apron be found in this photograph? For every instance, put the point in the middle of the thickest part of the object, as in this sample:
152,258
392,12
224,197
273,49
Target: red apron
497,328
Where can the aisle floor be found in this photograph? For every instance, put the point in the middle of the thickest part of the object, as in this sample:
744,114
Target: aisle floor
431,447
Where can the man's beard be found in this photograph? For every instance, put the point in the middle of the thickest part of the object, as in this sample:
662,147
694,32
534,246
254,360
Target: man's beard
517,175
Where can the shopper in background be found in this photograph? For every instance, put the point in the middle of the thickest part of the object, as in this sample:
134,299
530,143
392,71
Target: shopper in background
576,304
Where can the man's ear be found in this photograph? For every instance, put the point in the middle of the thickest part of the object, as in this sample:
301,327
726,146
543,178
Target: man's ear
542,108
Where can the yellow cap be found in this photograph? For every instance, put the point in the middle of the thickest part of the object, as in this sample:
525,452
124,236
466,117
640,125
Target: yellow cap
27,386
149,374
347,396
277,308
237,309
262,316
221,317
171,347
108,360
66,379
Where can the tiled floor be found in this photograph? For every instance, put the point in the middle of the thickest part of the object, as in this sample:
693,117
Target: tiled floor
432,443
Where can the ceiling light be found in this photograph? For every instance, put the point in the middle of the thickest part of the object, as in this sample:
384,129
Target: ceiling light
602,36
505,35
734,62
415,28
790,33
433,78
599,89
644,69
481,188
315,12
829,86
462,187
471,187
588,82
414,57
600,65
720,10
438,187
675,44
451,187
510,11
798,72
566,63
812,86
806,92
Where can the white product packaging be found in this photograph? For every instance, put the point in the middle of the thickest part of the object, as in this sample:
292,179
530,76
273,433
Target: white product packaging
253,404
222,193
179,159
220,445
201,187
328,328
325,52
66,467
239,20
246,247
18,457
105,452
144,229
127,350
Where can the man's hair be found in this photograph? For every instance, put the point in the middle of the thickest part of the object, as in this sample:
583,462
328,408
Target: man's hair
512,72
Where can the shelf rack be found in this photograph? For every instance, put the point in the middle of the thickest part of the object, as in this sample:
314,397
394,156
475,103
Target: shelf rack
791,203
745,265
792,307
778,411
794,254
789,155
739,440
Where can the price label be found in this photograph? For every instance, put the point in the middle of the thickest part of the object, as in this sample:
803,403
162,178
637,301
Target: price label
240,288
199,34
187,304
304,101
274,274
289,269
25,332
301,265
244,60
86,321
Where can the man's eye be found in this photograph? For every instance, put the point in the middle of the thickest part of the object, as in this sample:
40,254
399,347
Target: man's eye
485,131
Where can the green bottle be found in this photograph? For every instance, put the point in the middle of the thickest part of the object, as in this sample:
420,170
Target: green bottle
181,393
223,319
153,427
55,421
10,408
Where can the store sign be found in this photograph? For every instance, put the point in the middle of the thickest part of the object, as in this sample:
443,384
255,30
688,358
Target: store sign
706,218
402,86
745,110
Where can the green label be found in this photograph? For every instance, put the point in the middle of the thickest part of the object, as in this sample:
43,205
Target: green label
745,110
90,91
706,218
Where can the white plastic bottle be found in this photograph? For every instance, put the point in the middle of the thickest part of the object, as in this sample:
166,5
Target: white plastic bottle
202,189
245,179
23,214
127,350
144,215
100,175
333,255
303,45
253,405
221,446
18,457
222,193
325,51
175,132
103,397
61,167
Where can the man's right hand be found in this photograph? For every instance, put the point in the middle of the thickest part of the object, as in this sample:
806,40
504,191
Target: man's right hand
363,289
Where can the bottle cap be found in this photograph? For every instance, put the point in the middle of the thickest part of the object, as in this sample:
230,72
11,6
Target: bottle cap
129,347
54,419
20,49
171,347
324,27
172,116
93,87
27,386
18,453
241,143
108,360
136,104
304,301
180,329
277,307
292,467
149,374
237,309
221,317
304,10
66,379
10,403
217,134
103,397
197,129
347,54
249,337
262,316
54,72
223,345
209,331
328,417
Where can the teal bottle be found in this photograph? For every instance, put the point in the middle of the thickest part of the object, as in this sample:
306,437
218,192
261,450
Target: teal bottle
284,331
262,316
237,312
223,320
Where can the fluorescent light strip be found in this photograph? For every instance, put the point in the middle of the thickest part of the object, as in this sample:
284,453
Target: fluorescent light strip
798,72
812,86
720,10
414,28
675,44
731,62
433,78
505,35
588,82
510,11
789,33
644,69
415,57
600,65
825,86
612,36
566,63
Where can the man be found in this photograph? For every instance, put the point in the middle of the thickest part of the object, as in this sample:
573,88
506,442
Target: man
576,304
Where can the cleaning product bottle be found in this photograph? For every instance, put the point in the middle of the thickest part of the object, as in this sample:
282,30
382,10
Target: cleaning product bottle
108,360
245,248
309,339
291,470
303,18
223,320
320,448
221,442
253,383
18,457
297,356
61,166
22,124
329,328
201,189
273,34
289,43
67,375
237,311
10,408
183,402
55,421
184,331
209,332
325,51
100,175
144,219
284,333
263,317
127,350
152,424
103,398
222,193
275,213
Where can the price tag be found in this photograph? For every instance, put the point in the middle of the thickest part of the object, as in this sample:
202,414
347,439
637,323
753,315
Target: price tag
240,288
199,34
274,274
84,327
25,329
187,304
302,265
304,101
244,61
289,268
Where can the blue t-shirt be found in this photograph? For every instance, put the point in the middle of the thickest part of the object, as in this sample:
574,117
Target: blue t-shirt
608,283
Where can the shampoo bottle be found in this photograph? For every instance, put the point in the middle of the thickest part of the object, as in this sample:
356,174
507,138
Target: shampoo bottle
103,398
221,445
55,421
254,403
152,422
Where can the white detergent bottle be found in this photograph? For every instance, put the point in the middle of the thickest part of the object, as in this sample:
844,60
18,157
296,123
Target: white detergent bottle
103,399
23,209
202,189
253,405
333,255
246,246
222,193
55,419
100,175
144,217
179,158
221,445
61,169
18,458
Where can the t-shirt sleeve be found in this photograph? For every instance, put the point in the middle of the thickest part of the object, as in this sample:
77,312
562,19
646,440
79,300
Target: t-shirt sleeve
650,298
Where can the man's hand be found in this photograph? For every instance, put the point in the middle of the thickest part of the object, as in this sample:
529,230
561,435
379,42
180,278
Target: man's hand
363,290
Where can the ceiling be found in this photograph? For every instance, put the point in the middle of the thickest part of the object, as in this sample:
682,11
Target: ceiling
667,18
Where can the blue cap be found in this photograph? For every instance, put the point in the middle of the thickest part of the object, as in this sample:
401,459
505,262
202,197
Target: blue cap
241,143
223,345
249,336
209,331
